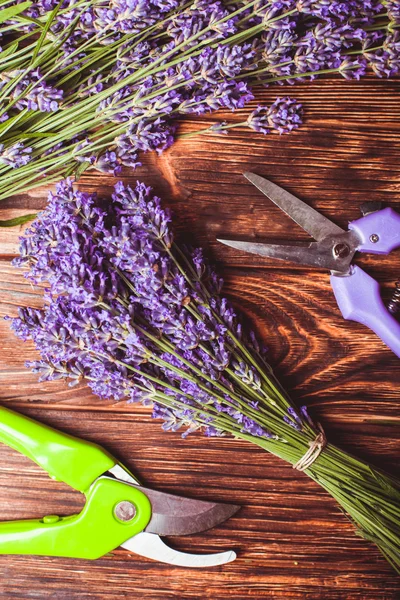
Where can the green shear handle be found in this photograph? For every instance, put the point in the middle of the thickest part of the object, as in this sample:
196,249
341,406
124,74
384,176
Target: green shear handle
94,532
65,458
82,465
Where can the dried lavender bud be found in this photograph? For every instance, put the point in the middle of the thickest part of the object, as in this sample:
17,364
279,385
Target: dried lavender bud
283,115
37,94
16,155
353,68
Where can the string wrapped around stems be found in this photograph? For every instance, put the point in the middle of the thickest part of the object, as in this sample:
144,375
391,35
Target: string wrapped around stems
315,449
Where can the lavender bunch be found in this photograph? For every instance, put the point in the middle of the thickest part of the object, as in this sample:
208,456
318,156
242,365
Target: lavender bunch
93,83
140,319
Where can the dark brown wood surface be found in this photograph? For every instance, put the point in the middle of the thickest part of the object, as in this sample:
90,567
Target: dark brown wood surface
292,540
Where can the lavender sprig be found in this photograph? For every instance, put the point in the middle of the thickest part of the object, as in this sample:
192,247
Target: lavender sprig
121,74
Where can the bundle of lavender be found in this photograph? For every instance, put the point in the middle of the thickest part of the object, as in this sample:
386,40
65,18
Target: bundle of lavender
92,83
138,318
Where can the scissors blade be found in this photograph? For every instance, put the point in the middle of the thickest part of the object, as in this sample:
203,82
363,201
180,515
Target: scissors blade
307,217
151,546
176,515
314,254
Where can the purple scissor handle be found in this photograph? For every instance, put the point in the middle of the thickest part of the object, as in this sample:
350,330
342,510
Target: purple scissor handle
357,294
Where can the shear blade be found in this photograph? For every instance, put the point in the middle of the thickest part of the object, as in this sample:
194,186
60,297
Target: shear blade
307,217
314,254
151,546
176,515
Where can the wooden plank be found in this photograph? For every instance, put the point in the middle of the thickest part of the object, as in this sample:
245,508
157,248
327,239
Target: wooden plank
291,538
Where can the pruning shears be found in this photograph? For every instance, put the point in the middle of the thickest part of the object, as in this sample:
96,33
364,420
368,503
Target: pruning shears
356,292
118,510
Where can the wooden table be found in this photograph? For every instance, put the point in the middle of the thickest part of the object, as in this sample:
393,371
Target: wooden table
291,538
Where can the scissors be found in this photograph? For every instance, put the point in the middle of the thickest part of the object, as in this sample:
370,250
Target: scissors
356,292
118,510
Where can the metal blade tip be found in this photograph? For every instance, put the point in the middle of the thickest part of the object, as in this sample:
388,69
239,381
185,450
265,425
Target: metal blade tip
177,515
228,242
238,245
181,524
231,509
249,175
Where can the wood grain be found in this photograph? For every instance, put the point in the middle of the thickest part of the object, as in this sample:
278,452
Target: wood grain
291,538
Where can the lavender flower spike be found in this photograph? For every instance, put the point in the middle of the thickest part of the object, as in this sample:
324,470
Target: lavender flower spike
283,116
16,155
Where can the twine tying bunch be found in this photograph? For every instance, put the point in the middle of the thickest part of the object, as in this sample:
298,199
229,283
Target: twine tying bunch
315,449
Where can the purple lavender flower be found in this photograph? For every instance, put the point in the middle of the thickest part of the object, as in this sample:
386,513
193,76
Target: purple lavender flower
151,135
274,15
197,18
310,57
233,60
41,7
382,53
305,414
248,375
127,153
283,115
277,44
94,85
132,16
129,58
392,50
332,36
82,152
293,413
393,9
327,10
250,426
229,95
108,163
16,155
353,68
37,94
292,423
211,431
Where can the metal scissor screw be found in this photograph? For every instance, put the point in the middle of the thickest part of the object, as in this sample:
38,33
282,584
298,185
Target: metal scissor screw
341,250
125,511
374,238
